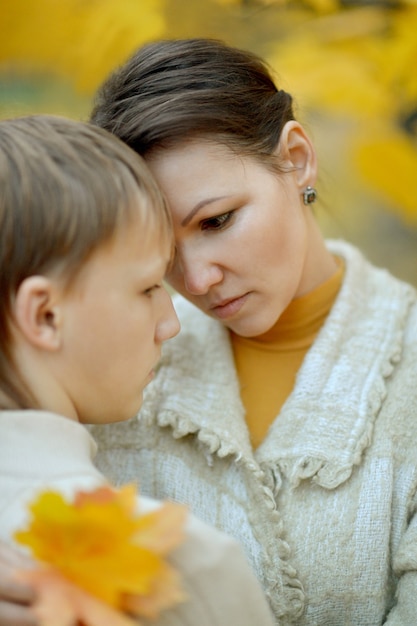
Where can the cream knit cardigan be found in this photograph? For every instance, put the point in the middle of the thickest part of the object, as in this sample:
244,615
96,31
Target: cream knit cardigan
326,506
40,450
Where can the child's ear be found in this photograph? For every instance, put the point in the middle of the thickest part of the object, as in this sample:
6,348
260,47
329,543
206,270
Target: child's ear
37,312
296,148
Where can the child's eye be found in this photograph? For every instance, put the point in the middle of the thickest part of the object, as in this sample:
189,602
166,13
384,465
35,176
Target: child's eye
150,290
218,222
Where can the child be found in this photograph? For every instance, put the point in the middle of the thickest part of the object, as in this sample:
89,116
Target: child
85,243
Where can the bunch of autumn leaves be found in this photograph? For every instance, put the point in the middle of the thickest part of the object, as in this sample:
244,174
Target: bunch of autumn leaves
100,560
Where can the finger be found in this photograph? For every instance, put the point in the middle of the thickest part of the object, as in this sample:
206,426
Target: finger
12,591
16,615
13,558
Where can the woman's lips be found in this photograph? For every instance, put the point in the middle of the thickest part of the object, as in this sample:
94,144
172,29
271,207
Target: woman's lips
229,307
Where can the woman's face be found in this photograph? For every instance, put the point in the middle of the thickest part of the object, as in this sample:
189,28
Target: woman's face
244,239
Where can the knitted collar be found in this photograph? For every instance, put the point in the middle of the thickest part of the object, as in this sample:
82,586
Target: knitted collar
327,422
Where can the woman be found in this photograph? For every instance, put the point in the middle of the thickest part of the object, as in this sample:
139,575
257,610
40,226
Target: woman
283,412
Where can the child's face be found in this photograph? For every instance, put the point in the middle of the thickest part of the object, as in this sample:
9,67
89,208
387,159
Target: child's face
115,318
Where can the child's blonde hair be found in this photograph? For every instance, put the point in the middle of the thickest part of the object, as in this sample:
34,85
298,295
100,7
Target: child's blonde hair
65,187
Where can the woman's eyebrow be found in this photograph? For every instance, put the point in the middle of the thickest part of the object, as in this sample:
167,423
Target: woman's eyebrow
199,206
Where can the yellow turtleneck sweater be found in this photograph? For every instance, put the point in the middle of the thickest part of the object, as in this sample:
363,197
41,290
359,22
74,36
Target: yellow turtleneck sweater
268,364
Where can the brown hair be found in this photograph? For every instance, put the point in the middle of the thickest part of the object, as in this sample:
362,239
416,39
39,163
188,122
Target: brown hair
65,187
174,90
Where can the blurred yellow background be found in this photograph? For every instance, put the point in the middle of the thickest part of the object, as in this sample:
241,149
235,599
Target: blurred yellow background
351,66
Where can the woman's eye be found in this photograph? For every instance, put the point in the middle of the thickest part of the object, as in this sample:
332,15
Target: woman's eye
216,223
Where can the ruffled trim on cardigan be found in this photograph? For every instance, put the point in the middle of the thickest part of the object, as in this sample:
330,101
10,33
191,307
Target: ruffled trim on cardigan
285,592
281,585
215,438
326,450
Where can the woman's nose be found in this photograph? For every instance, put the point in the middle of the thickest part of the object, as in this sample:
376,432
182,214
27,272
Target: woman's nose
194,273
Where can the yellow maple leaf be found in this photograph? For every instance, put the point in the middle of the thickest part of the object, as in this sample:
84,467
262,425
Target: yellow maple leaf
101,545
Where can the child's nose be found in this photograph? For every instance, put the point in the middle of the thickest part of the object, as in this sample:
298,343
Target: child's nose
168,325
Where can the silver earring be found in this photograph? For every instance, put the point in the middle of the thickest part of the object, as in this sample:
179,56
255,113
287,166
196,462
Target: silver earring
309,195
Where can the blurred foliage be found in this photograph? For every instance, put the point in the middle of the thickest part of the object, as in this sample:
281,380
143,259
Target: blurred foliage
351,65
361,65
83,39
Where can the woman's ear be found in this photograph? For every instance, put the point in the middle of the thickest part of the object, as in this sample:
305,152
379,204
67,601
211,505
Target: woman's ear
296,148
37,312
